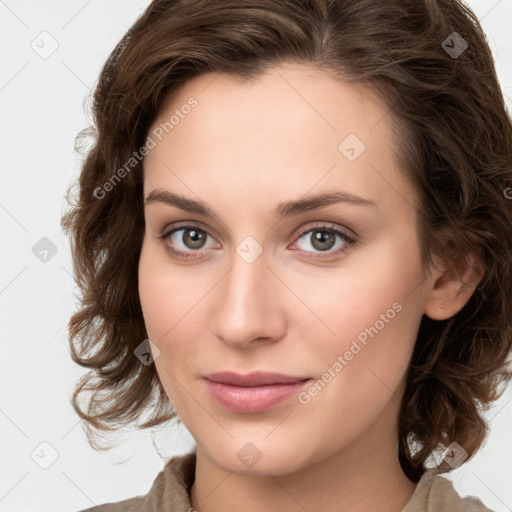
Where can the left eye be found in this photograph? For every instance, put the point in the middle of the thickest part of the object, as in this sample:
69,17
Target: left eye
193,240
323,238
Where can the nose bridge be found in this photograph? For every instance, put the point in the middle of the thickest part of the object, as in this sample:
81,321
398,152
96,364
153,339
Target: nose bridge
247,307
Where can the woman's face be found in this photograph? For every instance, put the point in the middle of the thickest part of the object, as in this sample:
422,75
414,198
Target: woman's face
272,287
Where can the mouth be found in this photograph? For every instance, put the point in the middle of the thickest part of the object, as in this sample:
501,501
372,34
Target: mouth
253,379
255,392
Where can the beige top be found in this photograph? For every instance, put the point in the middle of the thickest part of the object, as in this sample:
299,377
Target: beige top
170,492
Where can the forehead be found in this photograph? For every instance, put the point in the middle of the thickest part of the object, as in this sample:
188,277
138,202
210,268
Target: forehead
294,126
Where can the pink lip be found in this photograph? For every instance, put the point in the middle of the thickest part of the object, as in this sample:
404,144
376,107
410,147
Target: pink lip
252,393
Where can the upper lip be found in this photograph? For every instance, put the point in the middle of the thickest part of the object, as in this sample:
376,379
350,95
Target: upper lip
253,379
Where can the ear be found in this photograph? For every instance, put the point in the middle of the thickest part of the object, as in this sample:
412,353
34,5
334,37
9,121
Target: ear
453,285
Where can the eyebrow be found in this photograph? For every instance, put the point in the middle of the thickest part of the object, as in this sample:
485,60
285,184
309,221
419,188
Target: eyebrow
285,209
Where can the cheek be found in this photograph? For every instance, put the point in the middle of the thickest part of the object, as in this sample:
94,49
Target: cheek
166,310
368,313
167,292
157,293
152,294
362,366
174,300
349,298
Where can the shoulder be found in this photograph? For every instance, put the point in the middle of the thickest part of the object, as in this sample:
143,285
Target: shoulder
170,490
434,493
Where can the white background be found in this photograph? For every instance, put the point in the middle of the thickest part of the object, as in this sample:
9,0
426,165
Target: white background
43,106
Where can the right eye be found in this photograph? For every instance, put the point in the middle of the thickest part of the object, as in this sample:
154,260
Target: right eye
185,237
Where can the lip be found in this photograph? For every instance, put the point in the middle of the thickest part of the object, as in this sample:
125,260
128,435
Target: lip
254,392
253,379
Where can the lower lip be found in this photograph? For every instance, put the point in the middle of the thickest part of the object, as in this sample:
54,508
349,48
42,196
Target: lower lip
251,399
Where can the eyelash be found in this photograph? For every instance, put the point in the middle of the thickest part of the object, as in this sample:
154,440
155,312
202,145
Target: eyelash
349,240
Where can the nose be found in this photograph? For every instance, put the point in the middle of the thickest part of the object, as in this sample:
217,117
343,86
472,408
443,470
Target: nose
249,306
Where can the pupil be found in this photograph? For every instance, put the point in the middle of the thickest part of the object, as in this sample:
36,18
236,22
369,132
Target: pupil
321,237
196,238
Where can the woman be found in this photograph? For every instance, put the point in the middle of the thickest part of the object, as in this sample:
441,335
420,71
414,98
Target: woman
293,234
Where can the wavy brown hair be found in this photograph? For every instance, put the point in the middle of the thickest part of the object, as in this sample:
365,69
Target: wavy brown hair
454,143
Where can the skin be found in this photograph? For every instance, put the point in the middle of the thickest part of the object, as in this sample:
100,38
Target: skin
242,150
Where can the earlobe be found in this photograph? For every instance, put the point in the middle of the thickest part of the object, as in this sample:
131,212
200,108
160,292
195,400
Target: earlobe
452,287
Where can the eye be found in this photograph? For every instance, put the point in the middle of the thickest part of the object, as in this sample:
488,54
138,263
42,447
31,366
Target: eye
191,237
322,237
188,241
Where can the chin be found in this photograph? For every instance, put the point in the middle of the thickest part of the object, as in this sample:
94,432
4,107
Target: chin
259,458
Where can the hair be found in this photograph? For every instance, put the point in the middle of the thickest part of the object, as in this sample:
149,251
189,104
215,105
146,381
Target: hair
453,139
